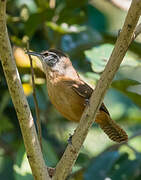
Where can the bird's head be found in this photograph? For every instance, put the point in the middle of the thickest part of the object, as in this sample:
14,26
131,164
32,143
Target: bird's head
56,61
52,59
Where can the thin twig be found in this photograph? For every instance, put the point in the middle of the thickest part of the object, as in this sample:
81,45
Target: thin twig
132,148
138,133
125,38
35,100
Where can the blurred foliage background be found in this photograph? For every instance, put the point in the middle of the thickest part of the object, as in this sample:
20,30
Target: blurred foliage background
86,31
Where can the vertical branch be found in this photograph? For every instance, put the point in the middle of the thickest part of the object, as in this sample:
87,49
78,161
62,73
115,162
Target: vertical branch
35,101
24,115
125,38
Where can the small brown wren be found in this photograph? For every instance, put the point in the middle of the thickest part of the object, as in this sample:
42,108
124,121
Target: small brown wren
69,93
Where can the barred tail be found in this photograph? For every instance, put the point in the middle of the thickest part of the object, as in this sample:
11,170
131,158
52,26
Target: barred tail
113,130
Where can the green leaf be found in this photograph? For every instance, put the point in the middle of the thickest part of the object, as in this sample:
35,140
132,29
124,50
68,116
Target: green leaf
21,167
49,154
125,168
123,86
96,18
78,175
4,101
129,72
5,124
35,21
30,4
99,56
71,12
32,24
6,167
73,4
114,166
101,165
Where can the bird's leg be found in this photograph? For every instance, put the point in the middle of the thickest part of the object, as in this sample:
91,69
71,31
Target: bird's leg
87,102
119,31
70,139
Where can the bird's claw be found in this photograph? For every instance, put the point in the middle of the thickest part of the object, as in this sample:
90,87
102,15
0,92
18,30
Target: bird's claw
70,139
87,102
119,31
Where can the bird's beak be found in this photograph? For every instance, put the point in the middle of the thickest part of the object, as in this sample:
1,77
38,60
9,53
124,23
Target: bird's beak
33,53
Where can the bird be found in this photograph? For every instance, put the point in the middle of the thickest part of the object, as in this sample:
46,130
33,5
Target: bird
69,93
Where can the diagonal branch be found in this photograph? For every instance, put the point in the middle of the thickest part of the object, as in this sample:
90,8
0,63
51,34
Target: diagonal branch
24,115
125,38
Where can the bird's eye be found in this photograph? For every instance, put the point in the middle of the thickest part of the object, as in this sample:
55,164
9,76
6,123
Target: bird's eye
51,60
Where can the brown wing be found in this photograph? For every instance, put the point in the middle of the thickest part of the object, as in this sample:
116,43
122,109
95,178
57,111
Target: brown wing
103,108
84,90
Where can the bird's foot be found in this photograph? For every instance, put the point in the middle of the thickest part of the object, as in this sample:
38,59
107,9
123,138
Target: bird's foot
118,32
87,102
70,139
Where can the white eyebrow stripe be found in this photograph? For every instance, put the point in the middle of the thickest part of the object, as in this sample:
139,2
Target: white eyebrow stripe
52,53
